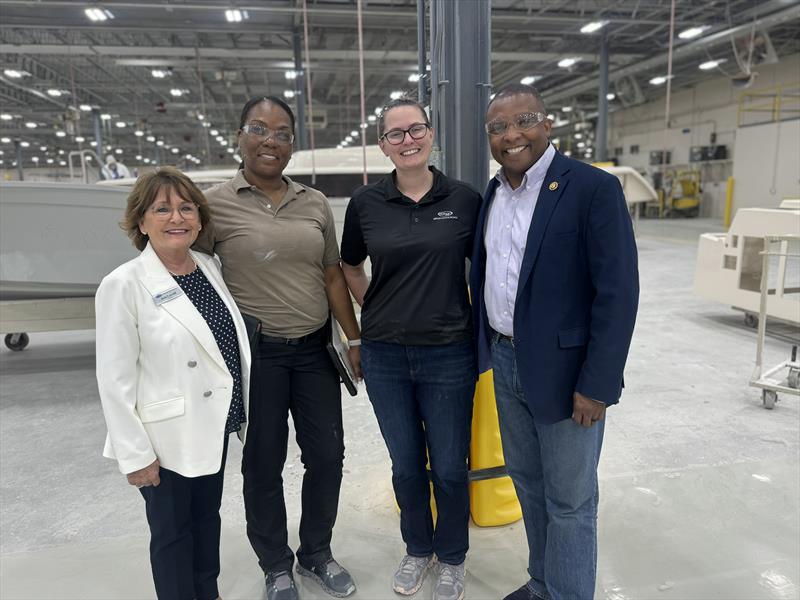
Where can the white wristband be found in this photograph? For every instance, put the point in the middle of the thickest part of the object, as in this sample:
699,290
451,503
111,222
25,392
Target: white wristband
353,343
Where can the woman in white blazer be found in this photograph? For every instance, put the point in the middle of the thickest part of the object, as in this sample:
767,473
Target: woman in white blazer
173,369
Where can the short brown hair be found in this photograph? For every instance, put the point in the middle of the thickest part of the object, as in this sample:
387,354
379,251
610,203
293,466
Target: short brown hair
146,191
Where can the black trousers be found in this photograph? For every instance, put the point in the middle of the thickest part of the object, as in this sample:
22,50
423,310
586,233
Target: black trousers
300,379
183,514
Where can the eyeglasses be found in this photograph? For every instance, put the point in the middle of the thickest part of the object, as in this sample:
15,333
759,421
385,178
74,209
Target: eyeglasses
187,210
396,136
522,122
282,136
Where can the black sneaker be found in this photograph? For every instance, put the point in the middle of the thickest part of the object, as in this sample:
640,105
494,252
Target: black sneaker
280,586
331,576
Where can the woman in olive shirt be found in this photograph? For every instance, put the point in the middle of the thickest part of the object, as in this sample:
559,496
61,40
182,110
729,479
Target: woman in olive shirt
277,242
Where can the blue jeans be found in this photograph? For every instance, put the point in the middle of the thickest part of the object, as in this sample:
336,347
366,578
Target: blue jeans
422,397
554,469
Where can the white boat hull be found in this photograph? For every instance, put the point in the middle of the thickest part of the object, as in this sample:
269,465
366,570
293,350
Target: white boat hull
59,240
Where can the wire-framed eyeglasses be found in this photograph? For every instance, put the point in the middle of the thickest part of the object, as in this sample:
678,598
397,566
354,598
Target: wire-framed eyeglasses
396,136
187,210
281,136
522,122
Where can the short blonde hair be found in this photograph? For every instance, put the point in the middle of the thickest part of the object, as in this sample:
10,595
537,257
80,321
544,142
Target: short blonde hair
146,191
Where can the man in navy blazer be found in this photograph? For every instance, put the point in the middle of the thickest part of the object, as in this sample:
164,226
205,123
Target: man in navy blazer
555,290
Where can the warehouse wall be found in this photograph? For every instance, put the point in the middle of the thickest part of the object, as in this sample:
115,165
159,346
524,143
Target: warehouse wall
696,112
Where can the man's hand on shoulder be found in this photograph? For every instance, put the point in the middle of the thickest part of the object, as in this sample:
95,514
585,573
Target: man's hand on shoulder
585,411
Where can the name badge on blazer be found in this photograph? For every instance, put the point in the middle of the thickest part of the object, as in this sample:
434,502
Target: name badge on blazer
167,295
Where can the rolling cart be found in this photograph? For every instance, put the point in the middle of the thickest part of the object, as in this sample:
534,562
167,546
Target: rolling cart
785,376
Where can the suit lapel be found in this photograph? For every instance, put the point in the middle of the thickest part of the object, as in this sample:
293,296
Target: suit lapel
553,186
158,281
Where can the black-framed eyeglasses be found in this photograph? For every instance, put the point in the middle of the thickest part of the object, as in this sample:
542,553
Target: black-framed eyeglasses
396,136
282,136
522,122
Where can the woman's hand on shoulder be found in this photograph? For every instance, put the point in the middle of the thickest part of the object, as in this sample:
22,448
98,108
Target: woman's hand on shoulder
146,476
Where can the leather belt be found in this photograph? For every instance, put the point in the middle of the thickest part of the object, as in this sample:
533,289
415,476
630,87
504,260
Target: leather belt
270,339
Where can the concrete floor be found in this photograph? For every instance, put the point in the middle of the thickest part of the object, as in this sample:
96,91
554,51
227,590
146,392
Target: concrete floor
699,484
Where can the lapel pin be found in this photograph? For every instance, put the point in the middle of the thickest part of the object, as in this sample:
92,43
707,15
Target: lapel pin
553,186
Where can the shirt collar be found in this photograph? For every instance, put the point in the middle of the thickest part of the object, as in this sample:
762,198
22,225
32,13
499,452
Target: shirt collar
438,189
293,188
536,173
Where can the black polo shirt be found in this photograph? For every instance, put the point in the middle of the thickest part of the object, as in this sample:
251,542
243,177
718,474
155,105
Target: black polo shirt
418,293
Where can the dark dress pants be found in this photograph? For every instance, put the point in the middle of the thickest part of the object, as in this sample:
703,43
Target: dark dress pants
300,379
183,514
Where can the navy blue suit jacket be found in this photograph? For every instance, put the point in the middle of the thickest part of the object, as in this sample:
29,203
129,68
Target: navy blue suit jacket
578,291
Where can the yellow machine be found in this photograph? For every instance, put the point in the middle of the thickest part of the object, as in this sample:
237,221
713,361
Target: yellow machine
680,194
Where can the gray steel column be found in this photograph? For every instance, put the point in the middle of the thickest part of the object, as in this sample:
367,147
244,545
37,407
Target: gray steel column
20,170
421,52
299,92
601,133
98,138
461,76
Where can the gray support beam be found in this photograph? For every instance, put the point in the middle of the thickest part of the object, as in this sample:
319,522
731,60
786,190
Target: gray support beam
601,133
461,79
20,170
98,138
299,91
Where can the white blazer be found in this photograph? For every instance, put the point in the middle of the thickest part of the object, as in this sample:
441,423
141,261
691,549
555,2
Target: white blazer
164,386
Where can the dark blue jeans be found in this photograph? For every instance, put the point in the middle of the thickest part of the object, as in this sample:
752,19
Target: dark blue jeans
422,397
554,470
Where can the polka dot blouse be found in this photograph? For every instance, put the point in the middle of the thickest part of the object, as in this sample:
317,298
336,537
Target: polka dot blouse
213,309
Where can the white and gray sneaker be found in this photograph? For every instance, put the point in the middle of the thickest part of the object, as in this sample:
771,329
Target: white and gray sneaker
410,574
449,582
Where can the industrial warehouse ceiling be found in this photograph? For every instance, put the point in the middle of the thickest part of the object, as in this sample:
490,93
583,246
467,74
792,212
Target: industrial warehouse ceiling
177,72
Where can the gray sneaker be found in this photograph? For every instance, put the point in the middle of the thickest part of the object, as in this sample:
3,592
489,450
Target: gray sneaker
331,576
410,574
449,582
280,586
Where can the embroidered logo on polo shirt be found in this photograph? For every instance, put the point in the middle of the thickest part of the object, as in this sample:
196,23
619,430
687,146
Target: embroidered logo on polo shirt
444,214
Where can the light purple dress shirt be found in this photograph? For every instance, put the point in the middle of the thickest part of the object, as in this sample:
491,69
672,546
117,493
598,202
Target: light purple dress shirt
507,225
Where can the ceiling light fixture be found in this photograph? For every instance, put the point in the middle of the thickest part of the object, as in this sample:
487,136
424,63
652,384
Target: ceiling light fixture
54,92
158,73
593,26
25,144
528,80
234,15
60,134
659,80
711,64
85,108
290,74
610,96
177,93
105,117
98,15
15,74
692,32
6,117
120,124
288,93
31,125
566,63
396,94
414,77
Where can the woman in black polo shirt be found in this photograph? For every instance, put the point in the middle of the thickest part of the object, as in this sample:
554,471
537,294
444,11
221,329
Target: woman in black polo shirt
416,226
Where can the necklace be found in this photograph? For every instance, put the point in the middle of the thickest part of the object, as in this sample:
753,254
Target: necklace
194,268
